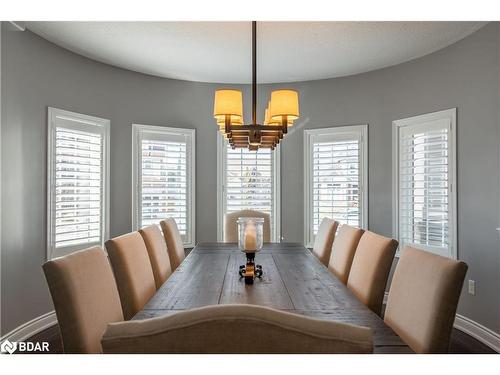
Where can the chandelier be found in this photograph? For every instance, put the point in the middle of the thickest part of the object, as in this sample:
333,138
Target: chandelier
281,111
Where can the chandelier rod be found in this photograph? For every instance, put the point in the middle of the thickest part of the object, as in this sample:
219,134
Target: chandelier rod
254,72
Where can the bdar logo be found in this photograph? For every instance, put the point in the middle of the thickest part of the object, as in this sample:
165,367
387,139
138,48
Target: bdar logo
22,346
8,347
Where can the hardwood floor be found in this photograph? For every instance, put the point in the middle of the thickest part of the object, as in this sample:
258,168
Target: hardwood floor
461,343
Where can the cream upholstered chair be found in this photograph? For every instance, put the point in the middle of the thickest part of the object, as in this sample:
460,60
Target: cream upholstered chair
236,329
85,298
343,250
423,299
231,225
173,239
158,254
324,240
134,276
370,269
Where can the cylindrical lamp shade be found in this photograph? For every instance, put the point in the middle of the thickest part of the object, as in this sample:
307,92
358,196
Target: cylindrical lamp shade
234,120
284,103
279,122
228,102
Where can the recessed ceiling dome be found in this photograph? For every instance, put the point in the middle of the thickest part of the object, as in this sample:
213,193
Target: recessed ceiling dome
220,51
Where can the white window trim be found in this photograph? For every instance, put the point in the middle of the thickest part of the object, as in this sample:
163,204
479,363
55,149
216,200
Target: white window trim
309,136
450,114
190,135
52,113
221,173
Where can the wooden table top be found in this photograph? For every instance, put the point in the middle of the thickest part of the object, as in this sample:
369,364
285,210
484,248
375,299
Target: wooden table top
293,280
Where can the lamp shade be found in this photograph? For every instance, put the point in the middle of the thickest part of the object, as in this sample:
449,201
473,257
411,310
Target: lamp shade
228,102
234,120
284,103
279,122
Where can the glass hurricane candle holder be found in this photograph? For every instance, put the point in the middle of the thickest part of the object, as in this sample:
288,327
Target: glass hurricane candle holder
250,239
250,234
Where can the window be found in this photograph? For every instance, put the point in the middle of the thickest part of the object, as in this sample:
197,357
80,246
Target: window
164,178
78,181
248,180
335,183
424,180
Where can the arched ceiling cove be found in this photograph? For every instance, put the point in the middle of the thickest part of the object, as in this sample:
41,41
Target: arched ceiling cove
221,51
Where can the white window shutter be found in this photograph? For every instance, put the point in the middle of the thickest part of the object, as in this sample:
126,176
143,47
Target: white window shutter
335,177
78,185
250,181
77,181
249,184
336,181
164,175
164,183
425,177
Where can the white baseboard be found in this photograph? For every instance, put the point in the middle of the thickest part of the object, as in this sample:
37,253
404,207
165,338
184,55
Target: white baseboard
34,326
478,331
474,329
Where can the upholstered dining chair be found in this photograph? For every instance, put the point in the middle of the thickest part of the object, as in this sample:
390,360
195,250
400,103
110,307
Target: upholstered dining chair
236,329
158,254
173,239
133,273
370,269
231,225
85,298
323,241
343,250
423,299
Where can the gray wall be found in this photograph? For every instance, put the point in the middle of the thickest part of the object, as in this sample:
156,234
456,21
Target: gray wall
37,74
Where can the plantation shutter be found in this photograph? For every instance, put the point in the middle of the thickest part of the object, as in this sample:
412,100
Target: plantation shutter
425,186
77,183
249,181
165,178
336,190
78,187
164,186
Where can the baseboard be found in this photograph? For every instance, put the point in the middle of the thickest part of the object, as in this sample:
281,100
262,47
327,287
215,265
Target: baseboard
473,329
34,326
478,331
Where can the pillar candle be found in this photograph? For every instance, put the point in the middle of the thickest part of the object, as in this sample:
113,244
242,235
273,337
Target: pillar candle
250,237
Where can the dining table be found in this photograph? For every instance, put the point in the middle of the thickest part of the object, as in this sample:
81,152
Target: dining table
293,280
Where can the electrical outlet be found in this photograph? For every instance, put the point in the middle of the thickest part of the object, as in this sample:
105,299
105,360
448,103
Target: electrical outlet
472,287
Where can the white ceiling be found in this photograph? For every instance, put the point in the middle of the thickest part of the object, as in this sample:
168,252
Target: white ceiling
221,51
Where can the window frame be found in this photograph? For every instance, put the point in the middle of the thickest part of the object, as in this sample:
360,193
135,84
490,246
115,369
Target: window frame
221,182
310,135
190,134
88,123
397,125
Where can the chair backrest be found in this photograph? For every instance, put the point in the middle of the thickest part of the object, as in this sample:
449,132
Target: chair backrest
324,240
231,225
85,298
370,269
133,273
173,239
236,329
343,250
423,299
158,254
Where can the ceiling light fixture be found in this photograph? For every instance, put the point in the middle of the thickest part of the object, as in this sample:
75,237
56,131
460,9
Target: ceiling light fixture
282,110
